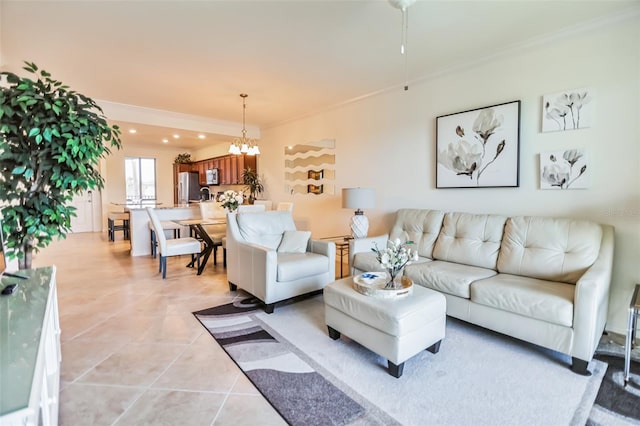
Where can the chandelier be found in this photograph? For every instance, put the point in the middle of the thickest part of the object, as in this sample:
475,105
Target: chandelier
244,145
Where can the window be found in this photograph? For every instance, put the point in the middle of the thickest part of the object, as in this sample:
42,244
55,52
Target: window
140,177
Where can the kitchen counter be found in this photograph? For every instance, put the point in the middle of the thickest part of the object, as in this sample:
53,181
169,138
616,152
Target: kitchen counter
129,207
139,223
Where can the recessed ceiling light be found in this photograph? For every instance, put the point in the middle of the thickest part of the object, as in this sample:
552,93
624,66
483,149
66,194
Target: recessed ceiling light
132,131
165,140
200,136
176,136
290,147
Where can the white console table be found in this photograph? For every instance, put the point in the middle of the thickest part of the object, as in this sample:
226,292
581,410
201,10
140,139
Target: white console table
30,350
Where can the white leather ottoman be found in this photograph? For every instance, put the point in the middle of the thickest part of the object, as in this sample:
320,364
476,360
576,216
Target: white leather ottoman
396,329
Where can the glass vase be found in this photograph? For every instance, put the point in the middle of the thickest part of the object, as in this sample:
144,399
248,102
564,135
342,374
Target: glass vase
395,277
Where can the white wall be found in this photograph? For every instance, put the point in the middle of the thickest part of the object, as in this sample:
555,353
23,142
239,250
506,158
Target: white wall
388,142
112,170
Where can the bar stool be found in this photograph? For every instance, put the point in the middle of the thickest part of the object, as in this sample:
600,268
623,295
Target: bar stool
167,225
112,224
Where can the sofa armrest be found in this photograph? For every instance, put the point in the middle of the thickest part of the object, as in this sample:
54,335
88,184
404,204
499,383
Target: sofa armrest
360,245
591,300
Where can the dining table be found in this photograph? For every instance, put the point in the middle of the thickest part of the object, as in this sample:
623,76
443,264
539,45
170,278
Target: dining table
196,230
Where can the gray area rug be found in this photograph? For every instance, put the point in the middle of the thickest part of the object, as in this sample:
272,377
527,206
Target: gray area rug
615,403
284,375
478,377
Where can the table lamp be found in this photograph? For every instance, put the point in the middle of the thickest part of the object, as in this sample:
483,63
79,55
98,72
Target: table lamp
358,198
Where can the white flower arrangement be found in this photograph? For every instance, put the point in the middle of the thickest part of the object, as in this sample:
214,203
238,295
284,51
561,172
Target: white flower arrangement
395,257
230,199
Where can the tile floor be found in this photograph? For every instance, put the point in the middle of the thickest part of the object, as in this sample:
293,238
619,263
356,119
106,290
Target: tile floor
132,352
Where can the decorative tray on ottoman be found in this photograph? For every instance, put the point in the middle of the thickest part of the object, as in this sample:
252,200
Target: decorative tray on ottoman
373,284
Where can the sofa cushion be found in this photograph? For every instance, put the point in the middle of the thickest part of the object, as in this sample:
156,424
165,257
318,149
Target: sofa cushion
265,228
543,300
417,225
292,266
294,241
366,261
447,277
470,239
549,248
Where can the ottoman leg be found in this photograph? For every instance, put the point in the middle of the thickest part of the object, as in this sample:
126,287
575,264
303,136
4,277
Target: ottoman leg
435,347
333,333
395,370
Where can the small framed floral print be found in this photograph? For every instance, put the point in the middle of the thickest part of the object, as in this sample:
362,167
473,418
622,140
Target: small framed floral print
565,169
479,148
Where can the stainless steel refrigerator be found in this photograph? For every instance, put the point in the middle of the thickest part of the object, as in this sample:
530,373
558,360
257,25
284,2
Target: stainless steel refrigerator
188,187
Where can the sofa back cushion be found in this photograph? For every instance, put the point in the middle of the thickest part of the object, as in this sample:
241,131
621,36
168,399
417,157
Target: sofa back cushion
470,239
420,226
549,248
265,228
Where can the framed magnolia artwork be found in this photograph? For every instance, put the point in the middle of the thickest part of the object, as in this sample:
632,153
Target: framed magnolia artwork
479,148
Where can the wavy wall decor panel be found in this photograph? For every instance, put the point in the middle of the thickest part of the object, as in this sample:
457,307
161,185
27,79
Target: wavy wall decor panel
310,168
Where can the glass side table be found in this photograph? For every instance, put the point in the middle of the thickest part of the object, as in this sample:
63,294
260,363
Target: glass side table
634,309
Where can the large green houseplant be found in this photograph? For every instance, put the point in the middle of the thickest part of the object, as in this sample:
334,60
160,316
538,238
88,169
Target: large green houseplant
51,141
254,184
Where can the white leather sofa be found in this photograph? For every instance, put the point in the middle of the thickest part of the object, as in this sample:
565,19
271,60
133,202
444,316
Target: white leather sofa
269,258
540,279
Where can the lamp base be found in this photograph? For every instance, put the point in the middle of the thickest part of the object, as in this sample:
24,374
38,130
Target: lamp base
359,226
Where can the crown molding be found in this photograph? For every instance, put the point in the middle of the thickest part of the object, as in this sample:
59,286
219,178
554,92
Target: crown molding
156,117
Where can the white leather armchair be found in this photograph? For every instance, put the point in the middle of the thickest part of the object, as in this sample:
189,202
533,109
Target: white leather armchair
268,258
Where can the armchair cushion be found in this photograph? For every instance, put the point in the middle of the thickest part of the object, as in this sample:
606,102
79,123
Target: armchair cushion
294,242
292,266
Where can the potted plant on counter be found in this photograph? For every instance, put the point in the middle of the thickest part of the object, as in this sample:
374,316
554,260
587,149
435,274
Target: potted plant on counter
254,184
51,142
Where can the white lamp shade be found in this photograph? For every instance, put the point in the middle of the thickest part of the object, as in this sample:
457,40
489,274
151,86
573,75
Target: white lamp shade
401,4
358,198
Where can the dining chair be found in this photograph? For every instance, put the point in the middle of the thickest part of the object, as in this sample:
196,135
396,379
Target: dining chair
214,210
172,247
167,225
268,204
249,208
284,206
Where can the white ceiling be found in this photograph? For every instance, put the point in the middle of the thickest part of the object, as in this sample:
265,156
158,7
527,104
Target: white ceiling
293,58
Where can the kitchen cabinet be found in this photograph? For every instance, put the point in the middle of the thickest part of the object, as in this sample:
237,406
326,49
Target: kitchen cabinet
230,168
30,353
226,170
202,172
